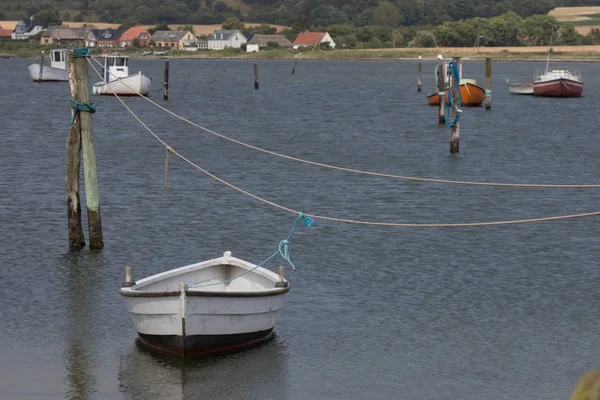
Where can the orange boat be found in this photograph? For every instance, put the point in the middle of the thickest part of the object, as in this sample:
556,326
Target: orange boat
472,94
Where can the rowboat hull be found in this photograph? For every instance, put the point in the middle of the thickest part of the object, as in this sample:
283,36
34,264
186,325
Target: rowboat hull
214,318
472,96
558,88
48,74
521,88
133,85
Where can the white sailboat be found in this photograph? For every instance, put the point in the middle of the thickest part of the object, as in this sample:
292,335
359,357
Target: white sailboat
56,72
118,81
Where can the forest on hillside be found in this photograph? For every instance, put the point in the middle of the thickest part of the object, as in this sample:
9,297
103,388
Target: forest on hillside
301,13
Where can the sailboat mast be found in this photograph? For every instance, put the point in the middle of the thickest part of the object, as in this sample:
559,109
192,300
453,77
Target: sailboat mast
549,48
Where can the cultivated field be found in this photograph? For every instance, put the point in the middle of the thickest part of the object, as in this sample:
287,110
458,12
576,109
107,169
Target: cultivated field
582,18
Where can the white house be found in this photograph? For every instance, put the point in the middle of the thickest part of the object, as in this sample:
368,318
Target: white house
313,39
223,38
25,29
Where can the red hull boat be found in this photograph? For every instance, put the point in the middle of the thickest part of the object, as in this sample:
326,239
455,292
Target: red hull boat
560,87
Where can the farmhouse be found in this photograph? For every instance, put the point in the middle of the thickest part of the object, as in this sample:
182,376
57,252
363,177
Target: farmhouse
312,39
223,38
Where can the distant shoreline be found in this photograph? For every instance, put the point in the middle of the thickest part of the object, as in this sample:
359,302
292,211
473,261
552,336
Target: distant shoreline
589,54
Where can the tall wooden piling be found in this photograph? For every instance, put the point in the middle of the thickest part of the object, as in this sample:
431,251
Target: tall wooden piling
295,63
166,85
255,76
76,238
488,83
41,67
419,73
89,156
441,85
454,142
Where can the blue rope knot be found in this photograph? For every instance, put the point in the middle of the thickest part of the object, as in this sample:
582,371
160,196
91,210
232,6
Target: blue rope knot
284,244
81,52
77,106
488,91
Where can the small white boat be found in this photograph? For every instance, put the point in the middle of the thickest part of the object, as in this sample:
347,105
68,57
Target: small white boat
118,81
56,72
521,88
213,306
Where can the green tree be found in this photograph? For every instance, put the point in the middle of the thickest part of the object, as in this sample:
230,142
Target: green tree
233,23
423,39
386,14
136,42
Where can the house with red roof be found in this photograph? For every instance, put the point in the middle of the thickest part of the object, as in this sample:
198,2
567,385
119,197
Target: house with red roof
5,33
313,39
135,32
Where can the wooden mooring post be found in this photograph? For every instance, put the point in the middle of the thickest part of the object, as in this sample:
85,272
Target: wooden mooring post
295,63
166,85
441,84
488,83
419,73
78,63
256,76
42,67
76,238
454,143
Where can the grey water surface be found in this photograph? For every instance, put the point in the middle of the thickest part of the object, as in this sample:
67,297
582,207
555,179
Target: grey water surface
504,312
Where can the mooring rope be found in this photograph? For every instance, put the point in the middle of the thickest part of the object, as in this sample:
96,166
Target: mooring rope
350,221
282,250
452,103
363,172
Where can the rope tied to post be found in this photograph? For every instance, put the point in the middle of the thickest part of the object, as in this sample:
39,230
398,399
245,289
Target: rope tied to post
283,250
81,52
488,91
79,106
453,103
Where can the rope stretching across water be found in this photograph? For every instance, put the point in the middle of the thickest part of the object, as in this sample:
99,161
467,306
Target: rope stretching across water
351,221
357,171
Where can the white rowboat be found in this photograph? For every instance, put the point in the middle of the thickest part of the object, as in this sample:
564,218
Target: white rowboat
521,88
217,305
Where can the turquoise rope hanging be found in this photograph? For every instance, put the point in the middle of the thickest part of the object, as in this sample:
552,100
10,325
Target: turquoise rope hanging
452,103
283,250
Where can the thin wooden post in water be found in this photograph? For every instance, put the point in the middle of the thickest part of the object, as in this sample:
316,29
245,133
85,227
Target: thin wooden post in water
41,67
419,72
454,143
295,63
255,76
89,157
488,83
76,238
441,84
166,85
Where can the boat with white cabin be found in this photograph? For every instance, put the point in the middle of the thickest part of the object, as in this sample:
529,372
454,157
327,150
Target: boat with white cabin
55,72
557,82
212,306
117,80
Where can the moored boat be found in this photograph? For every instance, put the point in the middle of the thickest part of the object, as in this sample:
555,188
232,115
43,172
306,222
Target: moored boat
117,80
520,88
217,305
55,72
558,83
472,94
